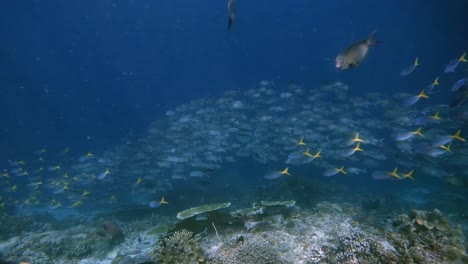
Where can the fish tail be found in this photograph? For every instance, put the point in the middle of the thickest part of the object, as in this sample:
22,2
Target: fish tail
372,40
462,58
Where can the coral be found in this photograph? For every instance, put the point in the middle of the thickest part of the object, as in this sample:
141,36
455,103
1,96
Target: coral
356,248
246,212
180,248
16,225
160,229
279,203
258,209
79,250
51,249
424,236
430,220
113,232
246,250
201,209
326,208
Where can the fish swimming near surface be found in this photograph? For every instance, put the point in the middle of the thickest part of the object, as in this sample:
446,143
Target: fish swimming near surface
232,13
353,55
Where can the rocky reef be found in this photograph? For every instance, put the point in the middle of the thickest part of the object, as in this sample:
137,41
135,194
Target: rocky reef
267,232
181,247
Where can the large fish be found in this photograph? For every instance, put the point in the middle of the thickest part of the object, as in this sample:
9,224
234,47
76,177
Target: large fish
355,53
232,12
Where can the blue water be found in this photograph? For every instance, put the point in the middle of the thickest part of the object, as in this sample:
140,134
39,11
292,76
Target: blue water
84,74
104,76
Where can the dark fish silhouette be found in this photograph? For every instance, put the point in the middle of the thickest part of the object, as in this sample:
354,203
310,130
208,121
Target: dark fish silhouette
461,98
232,12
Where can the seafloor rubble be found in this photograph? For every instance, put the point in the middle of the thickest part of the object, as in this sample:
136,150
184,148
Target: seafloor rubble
267,232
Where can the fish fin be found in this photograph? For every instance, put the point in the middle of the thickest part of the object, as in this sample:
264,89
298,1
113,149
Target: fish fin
229,23
372,40
462,58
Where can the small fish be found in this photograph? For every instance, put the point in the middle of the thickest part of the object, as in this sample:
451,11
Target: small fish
156,204
276,174
298,157
456,86
353,55
138,181
408,175
444,140
408,70
394,173
314,156
441,140
429,89
414,99
334,171
436,152
86,157
102,175
54,168
301,142
232,12
407,135
355,139
351,151
453,64
428,119
356,170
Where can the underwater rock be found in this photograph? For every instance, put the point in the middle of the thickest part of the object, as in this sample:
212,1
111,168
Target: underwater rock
424,236
201,209
180,248
114,232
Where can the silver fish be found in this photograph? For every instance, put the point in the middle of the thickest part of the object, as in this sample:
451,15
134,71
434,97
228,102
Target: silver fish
355,53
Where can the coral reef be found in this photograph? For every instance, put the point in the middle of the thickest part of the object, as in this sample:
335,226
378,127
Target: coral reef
246,249
113,232
270,232
425,237
180,248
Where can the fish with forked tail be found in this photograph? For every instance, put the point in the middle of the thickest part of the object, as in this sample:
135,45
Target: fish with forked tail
353,55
